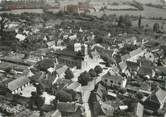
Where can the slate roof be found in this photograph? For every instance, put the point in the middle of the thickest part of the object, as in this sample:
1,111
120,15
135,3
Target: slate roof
60,69
135,52
139,108
161,96
123,65
51,43
158,97
132,65
100,90
17,83
161,70
67,52
67,107
125,57
145,71
145,62
114,78
74,85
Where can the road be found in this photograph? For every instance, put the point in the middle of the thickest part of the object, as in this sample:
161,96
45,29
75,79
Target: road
86,91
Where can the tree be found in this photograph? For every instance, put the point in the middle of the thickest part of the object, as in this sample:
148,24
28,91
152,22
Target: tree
24,113
39,89
69,74
92,73
108,60
63,96
36,100
45,64
39,101
156,27
98,69
124,21
139,22
72,93
98,39
139,95
84,78
3,21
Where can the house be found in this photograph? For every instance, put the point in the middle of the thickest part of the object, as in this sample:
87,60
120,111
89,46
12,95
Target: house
75,86
60,84
111,80
144,62
136,54
161,71
107,108
156,100
149,56
20,37
125,57
83,7
100,91
50,44
71,8
124,69
123,66
60,70
54,75
132,66
59,42
40,52
56,113
131,40
15,68
95,54
138,109
18,84
146,72
69,109
48,98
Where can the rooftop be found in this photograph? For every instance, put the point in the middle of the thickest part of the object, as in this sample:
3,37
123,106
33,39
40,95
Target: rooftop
115,78
17,83
67,107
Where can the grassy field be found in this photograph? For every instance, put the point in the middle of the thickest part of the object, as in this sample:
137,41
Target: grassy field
147,12
151,23
121,1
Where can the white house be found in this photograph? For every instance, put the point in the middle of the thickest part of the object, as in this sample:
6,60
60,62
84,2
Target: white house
115,80
20,37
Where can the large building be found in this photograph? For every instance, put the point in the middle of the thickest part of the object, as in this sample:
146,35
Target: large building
76,56
114,80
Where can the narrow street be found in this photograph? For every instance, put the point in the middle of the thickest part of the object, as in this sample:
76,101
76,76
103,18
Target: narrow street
86,91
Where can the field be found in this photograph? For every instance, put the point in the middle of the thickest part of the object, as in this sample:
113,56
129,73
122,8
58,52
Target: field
147,12
121,1
151,23
119,7
19,11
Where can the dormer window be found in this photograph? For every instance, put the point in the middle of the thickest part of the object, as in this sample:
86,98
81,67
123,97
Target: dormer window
105,80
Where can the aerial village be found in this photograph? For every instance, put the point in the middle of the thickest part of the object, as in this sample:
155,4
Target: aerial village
72,64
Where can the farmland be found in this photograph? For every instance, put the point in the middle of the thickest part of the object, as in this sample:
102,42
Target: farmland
148,12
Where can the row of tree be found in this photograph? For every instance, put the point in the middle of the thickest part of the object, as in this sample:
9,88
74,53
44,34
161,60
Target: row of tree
85,77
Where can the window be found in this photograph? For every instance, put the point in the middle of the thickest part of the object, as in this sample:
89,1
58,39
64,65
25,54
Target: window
111,81
119,83
105,80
